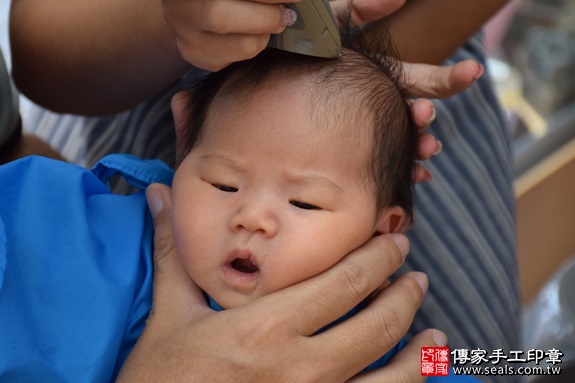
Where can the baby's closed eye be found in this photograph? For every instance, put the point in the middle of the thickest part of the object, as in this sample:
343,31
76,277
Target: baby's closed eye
304,205
225,188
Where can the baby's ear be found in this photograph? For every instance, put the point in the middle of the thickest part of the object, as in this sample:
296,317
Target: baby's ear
391,221
180,111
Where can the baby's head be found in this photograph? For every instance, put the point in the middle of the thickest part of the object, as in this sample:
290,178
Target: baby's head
289,163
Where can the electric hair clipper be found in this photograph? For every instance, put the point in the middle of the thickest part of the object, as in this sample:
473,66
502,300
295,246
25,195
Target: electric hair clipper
314,33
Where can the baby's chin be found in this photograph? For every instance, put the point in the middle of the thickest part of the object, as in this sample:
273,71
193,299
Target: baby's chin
232,300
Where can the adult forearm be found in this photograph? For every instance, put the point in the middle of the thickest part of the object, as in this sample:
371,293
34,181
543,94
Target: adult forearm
92,57
429,31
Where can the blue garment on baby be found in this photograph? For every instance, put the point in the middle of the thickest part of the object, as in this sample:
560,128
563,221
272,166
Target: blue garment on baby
75,268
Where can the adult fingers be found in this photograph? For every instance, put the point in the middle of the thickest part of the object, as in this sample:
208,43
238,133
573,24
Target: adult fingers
212,51
211,34
421,174
343,286
365,11
428,146
423,112
241,16
175,296
433,81
377,328
405,366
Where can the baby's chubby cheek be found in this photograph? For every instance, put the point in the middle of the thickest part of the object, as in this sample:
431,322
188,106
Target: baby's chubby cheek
188,248
185,230
300,264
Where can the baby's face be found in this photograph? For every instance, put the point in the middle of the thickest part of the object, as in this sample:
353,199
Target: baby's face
268,199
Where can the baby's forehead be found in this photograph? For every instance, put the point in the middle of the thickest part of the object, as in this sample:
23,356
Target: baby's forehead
343,96
351,72
318,128
334,128
340,113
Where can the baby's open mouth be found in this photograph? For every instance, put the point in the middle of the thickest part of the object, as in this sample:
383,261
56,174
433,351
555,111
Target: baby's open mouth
244,266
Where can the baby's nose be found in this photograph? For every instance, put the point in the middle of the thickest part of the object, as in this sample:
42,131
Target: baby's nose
255,217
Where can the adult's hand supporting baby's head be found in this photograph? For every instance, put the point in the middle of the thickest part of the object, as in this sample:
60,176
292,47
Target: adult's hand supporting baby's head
271,338
434,81
428,81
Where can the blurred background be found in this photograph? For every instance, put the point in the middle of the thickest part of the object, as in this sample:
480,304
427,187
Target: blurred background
532,48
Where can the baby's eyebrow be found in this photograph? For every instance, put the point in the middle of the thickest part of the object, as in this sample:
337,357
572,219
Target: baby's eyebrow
293,178
221,157
313,179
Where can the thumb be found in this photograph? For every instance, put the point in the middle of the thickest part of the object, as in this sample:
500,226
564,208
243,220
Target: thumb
175,296
405,366
409,358
433,81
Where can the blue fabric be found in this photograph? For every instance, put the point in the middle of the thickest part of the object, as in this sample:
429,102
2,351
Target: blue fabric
452,378
76,269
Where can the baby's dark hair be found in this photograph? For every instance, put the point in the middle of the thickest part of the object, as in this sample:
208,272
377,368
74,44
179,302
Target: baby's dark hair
367,80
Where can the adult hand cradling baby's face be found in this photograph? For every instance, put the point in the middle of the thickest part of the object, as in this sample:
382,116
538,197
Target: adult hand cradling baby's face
270,339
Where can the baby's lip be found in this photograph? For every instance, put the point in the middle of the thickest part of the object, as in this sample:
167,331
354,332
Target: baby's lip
243,261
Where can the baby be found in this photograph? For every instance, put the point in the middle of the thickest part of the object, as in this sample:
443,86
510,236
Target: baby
288,163
292,162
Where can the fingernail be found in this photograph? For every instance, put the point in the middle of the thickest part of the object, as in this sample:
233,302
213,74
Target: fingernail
427,176
439,338
439,147
422,280
430,120
403,244
481,70
155,200
289,16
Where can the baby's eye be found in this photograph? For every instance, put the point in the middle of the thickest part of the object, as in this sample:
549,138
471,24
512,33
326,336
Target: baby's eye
303,205
224,188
